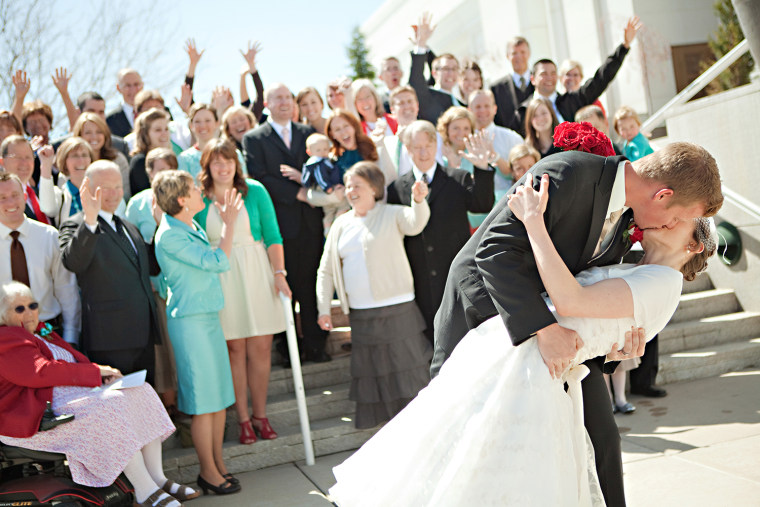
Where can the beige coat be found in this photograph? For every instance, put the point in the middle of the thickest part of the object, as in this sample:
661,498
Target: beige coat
383,244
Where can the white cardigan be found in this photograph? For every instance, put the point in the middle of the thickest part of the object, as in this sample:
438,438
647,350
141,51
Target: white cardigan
384,254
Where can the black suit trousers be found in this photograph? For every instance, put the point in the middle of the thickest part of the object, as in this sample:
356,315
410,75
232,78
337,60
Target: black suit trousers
127,360
646,374
604,434
302,255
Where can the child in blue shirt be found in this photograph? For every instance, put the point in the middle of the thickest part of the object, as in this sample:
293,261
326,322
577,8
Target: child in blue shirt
627,124
323,179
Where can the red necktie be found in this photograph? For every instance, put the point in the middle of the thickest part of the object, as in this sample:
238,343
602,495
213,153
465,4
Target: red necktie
36,206
19,270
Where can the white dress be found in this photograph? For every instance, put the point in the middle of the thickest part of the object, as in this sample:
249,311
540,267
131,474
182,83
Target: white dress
494,428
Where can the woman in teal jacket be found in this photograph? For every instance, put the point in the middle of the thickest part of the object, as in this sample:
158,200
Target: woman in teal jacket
252,312
191,267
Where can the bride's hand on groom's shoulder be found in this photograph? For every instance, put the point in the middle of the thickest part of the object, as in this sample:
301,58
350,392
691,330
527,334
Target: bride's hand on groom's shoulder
526,203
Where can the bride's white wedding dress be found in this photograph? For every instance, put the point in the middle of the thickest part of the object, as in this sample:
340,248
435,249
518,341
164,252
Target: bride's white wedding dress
494,428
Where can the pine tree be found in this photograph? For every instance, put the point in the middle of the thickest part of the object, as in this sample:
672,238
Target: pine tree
357,55
728,35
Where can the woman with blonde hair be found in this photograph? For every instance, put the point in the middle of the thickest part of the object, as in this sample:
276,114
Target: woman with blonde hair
95,131
236,121
310,108
369,108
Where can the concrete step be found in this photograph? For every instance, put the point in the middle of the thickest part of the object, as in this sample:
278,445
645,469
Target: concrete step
702,282
315,375
709,361
708,331
707,303
329,435
338,340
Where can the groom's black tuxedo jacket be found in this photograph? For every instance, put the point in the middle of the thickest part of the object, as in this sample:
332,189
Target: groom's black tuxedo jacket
495,271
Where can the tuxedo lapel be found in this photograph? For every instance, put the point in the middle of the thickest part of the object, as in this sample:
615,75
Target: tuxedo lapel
440,179
275,138
405,188
599,214
296,139
112,235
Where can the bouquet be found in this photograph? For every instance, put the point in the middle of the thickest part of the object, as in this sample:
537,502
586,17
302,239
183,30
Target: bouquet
582,137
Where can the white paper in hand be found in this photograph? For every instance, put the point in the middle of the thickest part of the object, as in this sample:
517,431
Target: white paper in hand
135,379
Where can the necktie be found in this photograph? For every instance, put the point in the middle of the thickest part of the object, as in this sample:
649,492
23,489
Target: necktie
286,137
38,214
425,179
19,270
522,83
122,234
607,227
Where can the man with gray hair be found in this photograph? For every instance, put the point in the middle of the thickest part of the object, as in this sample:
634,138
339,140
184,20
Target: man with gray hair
275,152
121,120
35,261
113,265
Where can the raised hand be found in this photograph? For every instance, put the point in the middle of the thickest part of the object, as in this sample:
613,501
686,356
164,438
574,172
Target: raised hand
37,142
22,83
46,154
423,30
61,79
233,203
250,55
528,204
186,98
90,203
221,99
479,149
195,56
419,191
451,155
629,32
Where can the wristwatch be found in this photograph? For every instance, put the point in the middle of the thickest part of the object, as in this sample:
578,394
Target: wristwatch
281,271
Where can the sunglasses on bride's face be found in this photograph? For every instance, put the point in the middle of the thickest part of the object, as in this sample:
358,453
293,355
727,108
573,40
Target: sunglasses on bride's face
32,306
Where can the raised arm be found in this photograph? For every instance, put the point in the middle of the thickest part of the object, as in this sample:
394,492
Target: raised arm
608,299
250,60
195,56
22,84
61,81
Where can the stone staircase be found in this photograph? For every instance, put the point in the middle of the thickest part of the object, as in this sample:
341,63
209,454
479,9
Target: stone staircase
709,335
330,414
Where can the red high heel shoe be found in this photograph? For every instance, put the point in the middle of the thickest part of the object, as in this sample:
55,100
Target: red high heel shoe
247,435
265,431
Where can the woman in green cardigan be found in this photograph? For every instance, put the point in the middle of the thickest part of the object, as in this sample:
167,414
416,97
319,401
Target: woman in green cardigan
252,312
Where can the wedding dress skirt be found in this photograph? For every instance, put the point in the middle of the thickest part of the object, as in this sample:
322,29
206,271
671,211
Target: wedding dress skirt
494,428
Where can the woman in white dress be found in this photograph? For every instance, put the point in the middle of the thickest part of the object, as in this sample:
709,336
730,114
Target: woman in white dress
495,427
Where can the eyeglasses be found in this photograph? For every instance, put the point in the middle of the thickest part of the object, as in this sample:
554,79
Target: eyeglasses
32,306
22,158
448,69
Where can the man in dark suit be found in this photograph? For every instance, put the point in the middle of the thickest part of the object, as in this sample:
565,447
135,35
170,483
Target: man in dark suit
112,264
444,70
544,79
275,152
512,90
495,272
453,193
121,120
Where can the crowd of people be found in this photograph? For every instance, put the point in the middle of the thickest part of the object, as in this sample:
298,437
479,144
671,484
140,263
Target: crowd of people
162,244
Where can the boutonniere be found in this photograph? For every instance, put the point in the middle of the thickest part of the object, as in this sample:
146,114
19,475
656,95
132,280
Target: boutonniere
633,234
44,329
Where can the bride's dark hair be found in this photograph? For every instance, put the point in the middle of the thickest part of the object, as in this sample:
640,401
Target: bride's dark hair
698,263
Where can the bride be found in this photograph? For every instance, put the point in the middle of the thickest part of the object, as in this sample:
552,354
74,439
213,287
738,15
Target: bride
495,427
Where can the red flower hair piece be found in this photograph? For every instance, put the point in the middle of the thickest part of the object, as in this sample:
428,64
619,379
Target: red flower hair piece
582,137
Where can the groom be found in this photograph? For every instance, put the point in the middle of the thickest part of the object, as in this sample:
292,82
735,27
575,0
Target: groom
592,201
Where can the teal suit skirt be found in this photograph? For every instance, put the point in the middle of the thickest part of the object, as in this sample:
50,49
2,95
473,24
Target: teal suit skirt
204,378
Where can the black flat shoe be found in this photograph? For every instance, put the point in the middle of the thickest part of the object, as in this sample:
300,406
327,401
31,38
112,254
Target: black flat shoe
50,420
650,392
231,478
225,488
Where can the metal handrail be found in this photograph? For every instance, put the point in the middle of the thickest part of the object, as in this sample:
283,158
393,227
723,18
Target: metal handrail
695,86
741,202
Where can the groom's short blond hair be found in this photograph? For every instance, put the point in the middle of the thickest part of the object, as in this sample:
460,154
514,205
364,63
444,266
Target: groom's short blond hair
687,169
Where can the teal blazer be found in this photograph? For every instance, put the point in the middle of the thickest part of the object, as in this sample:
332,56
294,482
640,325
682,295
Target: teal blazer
139,212
191,268
261,214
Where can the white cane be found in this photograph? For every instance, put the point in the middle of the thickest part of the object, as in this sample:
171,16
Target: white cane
295,363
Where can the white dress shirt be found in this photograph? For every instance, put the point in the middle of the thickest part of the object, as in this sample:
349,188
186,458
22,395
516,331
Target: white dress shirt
278,128
516,78
129,112
53,286
617,197
430,173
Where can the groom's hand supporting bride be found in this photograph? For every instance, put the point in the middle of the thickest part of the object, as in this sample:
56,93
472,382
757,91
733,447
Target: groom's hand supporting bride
635,340
558,346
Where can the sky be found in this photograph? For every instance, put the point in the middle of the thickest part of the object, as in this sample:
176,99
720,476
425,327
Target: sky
303,42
